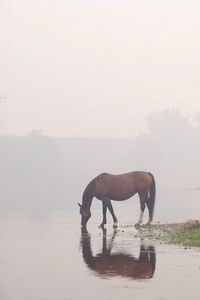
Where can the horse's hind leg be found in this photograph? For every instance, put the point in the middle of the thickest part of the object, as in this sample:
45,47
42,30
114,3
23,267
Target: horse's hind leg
150,210
142,208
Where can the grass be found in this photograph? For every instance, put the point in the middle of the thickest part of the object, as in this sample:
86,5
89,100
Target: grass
185,233
185,237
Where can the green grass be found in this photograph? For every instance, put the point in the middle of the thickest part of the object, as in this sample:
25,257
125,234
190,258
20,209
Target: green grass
186,237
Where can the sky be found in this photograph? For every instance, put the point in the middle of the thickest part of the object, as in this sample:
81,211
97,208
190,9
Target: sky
88,68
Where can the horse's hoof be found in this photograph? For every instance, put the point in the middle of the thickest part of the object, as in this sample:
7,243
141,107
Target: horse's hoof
115,225
101,226
137,225
148,224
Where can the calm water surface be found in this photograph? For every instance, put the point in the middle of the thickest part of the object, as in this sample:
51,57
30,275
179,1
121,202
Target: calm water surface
45,256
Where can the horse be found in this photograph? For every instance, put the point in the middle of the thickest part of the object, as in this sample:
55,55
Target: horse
107,187
107,264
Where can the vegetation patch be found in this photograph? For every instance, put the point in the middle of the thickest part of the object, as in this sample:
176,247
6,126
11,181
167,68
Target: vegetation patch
186,234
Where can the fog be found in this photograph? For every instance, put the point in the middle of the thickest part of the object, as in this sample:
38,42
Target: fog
97,68
37,170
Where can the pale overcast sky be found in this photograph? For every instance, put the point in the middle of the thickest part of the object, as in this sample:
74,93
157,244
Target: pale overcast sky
97,68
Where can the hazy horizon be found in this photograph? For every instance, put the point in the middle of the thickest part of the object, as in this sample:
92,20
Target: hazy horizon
162,116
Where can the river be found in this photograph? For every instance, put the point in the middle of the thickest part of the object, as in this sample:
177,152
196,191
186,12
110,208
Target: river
45,256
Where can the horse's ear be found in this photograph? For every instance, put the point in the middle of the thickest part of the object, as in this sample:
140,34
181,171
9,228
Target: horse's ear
79,205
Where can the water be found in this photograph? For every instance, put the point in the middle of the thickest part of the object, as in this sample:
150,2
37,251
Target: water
44,255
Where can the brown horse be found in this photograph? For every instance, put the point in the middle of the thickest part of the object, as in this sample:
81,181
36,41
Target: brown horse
106,187
108,264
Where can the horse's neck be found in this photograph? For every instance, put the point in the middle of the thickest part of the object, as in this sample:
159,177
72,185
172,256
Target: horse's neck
87,201
88,195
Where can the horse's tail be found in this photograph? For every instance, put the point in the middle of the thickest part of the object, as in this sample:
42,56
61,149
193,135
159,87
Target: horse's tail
152,196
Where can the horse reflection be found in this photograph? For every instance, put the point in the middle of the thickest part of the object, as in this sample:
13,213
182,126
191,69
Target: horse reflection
108,264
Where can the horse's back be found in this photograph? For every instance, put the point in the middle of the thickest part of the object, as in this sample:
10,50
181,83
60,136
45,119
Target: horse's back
122,186
134,175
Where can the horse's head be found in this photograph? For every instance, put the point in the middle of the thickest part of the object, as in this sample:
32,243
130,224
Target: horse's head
85,215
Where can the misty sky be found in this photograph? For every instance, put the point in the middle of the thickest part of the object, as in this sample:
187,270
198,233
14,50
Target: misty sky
96,68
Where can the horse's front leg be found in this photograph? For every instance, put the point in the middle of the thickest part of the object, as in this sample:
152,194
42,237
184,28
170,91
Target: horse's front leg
104,209
109,204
